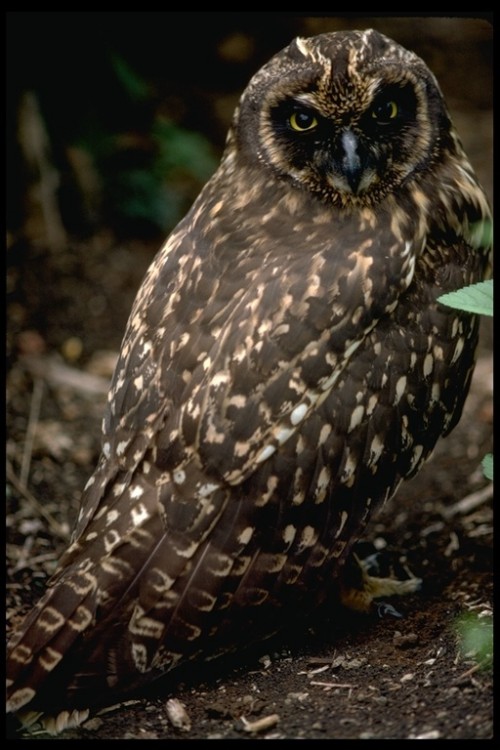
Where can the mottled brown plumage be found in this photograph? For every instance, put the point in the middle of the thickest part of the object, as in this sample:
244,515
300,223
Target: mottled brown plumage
285,366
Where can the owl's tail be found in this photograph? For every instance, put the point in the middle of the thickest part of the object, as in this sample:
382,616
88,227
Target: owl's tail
37,666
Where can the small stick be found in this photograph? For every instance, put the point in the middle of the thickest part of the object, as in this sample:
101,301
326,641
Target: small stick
469,502
465,675
36,401
47,557
56,527
343,685
260,724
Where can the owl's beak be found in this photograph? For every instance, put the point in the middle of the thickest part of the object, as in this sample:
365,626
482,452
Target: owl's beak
351,164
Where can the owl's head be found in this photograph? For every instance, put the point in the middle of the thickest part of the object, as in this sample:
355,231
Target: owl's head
347,115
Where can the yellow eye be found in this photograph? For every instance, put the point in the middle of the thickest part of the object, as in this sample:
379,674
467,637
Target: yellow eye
302,121
385,111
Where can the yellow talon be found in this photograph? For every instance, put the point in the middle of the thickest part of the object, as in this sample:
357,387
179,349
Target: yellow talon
358,590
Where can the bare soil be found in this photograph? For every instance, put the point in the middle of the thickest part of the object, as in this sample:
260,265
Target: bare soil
339,676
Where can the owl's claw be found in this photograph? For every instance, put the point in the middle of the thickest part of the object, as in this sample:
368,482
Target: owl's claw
384,609
359,590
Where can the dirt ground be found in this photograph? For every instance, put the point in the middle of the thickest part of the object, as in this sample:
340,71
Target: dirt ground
339,676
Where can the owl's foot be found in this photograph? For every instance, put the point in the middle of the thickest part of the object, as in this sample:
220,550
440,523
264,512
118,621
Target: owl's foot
35,722
359,590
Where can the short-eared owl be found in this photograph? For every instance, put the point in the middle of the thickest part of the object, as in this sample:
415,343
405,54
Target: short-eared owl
285,366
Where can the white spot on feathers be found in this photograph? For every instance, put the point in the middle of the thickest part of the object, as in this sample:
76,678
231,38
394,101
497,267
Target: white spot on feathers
139,514
288,535
376,448
400,389
122,447
356,417
246,535
428,365
298,414
265,453
111,517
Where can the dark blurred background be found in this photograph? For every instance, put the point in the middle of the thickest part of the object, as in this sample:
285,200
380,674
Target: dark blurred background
116,120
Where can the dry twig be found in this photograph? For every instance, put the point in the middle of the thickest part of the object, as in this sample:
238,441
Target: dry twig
260,724
469,502
56,373
36,401
55,526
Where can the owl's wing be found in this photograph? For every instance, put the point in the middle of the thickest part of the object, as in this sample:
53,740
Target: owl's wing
295,324
227,353
223,359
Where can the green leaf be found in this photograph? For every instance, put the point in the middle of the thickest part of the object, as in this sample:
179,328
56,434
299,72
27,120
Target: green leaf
476,637
487,464
476,298
183,149
137,89
482,234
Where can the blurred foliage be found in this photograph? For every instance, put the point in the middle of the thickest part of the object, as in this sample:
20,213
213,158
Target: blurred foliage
136,88
487,465
133,109
148,179
475,635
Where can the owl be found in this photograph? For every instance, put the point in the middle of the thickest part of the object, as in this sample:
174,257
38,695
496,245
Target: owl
286,365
